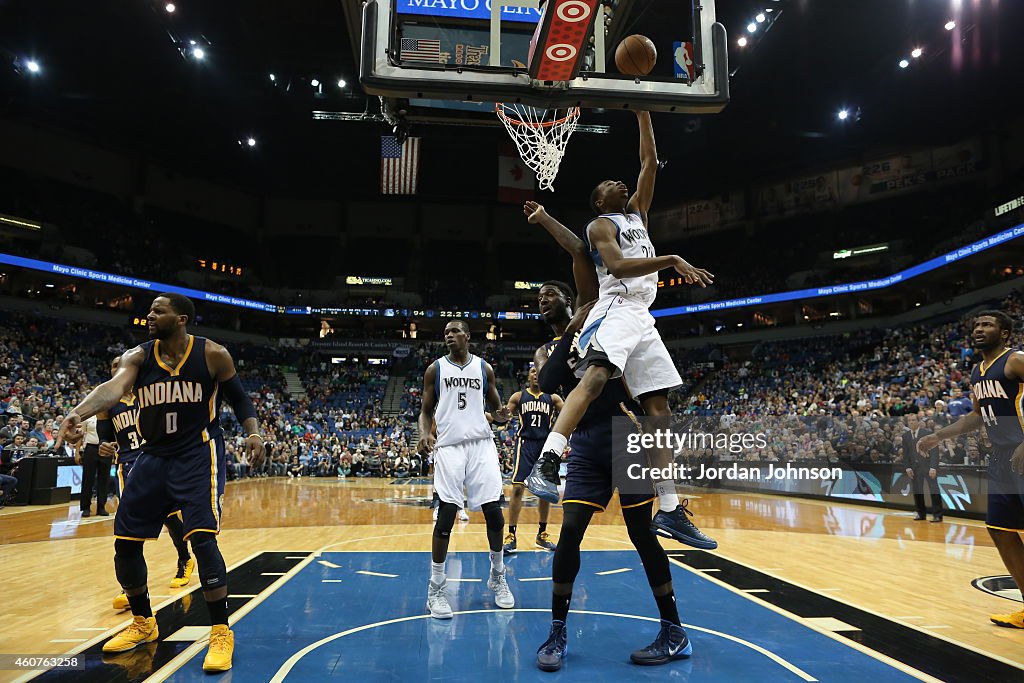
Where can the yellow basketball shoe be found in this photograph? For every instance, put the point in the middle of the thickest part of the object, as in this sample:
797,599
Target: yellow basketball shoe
121,602
184,575
222,646
1013,620
141,630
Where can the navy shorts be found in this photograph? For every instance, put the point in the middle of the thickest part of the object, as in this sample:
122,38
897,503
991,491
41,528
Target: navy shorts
589,474
156,487
527,452
1005,494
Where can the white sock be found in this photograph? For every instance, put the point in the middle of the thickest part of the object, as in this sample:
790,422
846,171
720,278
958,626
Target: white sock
498,561
667,498
555,442
437,572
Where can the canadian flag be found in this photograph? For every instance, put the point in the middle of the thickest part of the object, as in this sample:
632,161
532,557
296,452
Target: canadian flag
515,180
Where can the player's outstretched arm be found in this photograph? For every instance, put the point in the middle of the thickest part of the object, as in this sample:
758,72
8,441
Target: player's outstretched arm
428,435
557,401
971,422
102,398
510,407
222,367
582,265
641,200
602,236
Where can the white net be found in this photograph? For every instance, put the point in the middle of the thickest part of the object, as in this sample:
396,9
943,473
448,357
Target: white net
540,136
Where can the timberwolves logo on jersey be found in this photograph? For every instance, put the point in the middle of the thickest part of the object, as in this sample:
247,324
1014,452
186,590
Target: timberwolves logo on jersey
177,407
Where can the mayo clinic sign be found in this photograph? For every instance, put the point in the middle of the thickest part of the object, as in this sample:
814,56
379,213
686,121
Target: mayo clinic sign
466,9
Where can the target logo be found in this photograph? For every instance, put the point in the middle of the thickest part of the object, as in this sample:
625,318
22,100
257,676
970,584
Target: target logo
573,11
560,52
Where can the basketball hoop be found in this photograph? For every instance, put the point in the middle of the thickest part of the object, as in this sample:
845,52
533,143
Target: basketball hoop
540,136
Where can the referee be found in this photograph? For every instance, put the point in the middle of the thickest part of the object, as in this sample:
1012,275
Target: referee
93,466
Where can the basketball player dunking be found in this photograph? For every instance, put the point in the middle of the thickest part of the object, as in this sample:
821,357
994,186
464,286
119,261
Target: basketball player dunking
589,482
455,389
176,379
536,411
997,384
619,338
120,439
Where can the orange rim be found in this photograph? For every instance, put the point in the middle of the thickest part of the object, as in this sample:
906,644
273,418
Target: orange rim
571,113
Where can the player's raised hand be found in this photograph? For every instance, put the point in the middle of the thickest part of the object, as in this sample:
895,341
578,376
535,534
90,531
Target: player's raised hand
534,212
693,275
426,444
70,431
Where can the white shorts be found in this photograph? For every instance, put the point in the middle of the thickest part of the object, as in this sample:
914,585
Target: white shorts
470,465
623,331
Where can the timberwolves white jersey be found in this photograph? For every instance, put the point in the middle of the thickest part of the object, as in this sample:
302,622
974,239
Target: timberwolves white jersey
461,390
634,242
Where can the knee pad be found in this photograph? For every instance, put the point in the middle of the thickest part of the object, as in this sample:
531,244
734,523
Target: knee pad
493,516
445,519
129,564
212,572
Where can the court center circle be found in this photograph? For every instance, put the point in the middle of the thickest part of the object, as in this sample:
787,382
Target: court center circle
574,10
560,52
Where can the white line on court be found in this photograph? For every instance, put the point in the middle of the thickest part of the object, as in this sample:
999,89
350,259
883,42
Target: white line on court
386,576
283,672
330,565
614,571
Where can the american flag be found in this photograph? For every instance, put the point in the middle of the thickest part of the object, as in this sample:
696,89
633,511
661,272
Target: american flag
398,165
421,50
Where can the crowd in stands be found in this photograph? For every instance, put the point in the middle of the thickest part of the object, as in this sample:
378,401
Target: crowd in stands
845,398
840,398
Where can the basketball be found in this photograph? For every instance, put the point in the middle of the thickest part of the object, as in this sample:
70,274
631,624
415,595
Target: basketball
636,55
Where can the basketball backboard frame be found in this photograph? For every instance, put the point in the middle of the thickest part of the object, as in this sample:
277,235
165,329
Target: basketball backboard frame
382,72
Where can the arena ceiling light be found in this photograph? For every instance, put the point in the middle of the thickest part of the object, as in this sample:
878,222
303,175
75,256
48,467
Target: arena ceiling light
917,52
751,27
760,18
33,66
273,78
742,42
950,25
170,8
199,53
843,114
315,83
904,63
342,83
251,142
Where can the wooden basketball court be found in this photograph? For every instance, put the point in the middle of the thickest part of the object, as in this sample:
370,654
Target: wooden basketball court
909,583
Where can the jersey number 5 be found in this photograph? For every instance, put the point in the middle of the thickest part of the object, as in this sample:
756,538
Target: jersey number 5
172,423
462,400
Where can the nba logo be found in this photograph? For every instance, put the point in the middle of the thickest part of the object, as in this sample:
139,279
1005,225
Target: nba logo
682,60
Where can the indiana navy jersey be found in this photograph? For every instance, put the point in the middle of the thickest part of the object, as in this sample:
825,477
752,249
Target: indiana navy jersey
613,399
999,399
177,406
536,415
125,419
